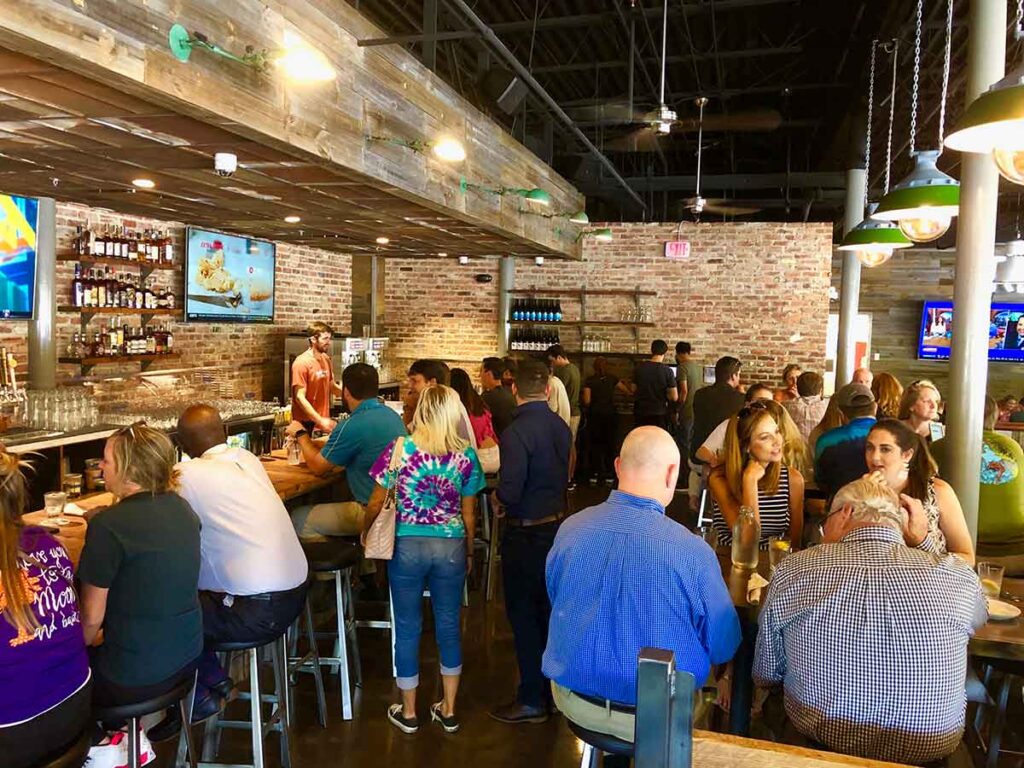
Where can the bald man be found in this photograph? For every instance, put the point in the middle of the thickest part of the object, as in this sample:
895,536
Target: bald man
252,572
622,576
863,376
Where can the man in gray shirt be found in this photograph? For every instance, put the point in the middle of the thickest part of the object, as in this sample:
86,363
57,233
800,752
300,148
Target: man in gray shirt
569,375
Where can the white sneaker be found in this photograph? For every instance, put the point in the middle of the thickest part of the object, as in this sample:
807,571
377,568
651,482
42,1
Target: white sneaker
112,752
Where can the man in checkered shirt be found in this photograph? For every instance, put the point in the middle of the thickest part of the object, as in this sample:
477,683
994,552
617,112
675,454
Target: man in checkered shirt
869,637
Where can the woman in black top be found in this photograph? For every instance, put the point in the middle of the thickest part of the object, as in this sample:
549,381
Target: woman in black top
140,573
602,422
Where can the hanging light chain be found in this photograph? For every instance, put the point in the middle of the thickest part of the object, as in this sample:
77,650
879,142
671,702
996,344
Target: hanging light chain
945,71
892,112
917,76
871,111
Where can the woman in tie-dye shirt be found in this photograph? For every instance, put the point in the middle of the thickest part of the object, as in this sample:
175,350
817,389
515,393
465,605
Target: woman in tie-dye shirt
435,488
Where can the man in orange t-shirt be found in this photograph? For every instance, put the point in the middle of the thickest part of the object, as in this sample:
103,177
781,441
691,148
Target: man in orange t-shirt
313,381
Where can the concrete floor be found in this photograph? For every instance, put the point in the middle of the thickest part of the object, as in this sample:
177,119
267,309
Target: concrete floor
489,678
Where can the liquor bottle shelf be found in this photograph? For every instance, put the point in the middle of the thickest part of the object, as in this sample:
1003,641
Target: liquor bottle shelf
577,293
88,362
112,261
118,311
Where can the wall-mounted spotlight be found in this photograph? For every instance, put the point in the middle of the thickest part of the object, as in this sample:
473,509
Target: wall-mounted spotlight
537,195
445,148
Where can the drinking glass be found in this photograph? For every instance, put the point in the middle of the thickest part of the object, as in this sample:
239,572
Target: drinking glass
991,576
54,502
294,453
778,550
709,534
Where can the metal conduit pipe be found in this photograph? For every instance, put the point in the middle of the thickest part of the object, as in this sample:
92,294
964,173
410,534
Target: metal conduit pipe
488,34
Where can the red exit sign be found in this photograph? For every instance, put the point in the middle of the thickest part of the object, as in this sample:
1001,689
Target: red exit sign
677,250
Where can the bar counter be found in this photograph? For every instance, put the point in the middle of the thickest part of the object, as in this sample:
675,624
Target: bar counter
290,482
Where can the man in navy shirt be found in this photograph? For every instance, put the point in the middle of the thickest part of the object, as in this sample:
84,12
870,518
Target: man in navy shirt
535,460
622,576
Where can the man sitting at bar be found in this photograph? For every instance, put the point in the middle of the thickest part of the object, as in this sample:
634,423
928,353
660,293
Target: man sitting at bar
839,453
252,571
605,606
354,444
869,637
499,399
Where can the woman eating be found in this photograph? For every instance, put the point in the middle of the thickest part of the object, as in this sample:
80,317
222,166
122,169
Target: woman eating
435,487
754,475
139,574
896,454
44,670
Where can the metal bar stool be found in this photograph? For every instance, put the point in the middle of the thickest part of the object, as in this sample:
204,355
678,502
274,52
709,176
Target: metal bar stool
179,695
310,661
336,559
280,717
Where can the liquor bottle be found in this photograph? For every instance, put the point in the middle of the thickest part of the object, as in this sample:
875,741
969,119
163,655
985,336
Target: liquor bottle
558,310
150,342
101,290
96,240
168,251
108,243
76,287
170,299
170,339
139,252
77,241
120,339
96,348
152,249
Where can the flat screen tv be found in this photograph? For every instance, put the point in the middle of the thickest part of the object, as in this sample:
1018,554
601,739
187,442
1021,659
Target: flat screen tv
228,279
19,219
1005,331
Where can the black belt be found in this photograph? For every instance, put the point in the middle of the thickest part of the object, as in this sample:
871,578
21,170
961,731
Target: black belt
523,522
614,706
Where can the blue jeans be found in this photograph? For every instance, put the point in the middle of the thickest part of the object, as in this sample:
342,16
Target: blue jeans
438,565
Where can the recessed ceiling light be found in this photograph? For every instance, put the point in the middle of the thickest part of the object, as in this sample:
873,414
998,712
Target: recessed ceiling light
293,219
383,241
144,183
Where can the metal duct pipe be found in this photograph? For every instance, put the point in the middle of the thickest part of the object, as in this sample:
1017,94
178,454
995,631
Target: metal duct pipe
42,330
524,73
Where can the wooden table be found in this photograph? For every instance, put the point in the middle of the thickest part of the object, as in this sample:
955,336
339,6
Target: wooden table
720,750
290,482
1003,639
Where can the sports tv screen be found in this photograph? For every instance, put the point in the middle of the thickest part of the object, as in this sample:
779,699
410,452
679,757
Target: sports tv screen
1005,331
229,279
19,218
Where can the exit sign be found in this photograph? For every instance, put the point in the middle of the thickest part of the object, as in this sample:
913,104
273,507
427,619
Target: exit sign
677,250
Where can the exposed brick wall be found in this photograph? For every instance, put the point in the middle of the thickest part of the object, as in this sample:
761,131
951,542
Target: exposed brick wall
746,290
310,284
893,295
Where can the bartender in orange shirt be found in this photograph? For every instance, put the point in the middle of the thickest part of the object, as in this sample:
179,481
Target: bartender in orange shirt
313,381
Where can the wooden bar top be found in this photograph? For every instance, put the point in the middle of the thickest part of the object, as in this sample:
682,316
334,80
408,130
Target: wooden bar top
290,481
720,750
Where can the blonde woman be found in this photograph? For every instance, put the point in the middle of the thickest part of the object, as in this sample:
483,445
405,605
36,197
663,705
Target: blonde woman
794,449
888,392
435,489
44,673
919,407
140,574
833,418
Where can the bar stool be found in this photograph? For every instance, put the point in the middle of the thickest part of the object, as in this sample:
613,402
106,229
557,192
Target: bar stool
1012,673
181,695
597,744
280,718
73,756
336,559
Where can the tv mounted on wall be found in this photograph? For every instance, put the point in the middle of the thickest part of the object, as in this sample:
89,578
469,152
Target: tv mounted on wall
1005,331
19,221
228,279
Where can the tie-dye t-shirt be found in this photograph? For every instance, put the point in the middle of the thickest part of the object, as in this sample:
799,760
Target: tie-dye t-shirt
430,489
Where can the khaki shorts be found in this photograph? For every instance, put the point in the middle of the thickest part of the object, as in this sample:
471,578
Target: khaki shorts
321,521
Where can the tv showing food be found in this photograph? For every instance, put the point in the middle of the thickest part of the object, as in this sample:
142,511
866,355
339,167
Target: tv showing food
1005,331
229,279
19,219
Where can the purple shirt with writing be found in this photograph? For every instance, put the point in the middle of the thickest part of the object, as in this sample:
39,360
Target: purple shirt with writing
41,669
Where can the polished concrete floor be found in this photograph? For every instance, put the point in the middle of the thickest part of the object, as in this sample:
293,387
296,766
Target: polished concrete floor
489,678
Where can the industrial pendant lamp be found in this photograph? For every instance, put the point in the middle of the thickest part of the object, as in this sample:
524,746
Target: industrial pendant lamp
994,122
874,240
926,201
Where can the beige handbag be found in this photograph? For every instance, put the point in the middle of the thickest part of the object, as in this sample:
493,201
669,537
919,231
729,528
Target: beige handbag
379,541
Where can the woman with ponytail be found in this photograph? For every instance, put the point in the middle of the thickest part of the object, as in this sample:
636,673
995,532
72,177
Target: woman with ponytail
44,671
897,455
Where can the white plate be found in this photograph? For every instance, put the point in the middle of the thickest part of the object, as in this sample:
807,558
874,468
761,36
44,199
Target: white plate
999,610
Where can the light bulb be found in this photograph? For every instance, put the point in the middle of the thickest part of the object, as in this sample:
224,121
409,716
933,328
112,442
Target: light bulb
449,150
925,228
874,257
302,63
1010,163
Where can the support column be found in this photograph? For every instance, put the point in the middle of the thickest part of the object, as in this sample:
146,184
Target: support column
42,329
506,283
972,285
429,32
849,291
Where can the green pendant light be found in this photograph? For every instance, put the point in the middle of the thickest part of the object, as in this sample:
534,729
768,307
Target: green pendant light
926,201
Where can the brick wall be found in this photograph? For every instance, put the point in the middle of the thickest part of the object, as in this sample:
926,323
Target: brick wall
756,291
310,284
893,295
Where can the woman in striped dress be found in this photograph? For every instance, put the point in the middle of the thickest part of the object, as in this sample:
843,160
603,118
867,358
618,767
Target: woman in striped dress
754,474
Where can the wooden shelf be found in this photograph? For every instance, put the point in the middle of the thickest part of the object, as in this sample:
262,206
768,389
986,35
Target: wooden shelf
117,311
88,362
112,261
627,355
576,293
582,323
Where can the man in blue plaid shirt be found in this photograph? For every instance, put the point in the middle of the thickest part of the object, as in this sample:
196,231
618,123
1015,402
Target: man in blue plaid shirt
869,637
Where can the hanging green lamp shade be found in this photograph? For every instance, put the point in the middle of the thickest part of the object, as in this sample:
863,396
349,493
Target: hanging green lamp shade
580,217
539,196
925,202
874,240
994,122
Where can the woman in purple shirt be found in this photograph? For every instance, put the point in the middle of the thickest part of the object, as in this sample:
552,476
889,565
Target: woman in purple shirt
44,671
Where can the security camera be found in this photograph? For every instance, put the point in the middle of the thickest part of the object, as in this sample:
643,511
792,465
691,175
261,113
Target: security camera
225,163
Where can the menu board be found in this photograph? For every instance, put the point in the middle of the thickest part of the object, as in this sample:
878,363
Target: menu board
229,279
19,219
